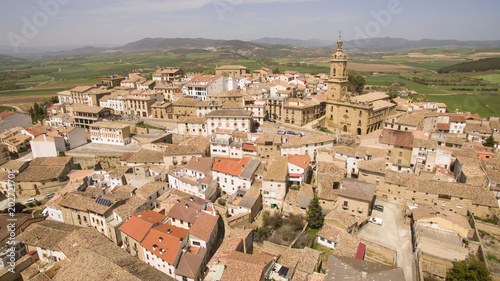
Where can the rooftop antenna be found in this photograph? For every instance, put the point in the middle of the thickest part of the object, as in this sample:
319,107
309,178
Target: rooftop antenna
340,33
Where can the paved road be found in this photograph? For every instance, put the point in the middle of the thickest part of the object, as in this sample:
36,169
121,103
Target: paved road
393,234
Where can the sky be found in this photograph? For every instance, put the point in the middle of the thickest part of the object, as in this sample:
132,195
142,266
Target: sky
33,23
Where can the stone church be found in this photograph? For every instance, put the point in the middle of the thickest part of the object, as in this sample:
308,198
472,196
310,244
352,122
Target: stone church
358,115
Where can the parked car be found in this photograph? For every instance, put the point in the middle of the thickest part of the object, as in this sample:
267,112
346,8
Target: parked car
281,132
301,134
290,133
50,195
378,208
376,220
31,200
271,120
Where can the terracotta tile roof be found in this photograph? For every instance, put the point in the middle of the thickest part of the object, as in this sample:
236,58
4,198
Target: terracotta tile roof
192,120
186,209
126,156
230,67
232,93
190,263
200,143
88,109
348,268
443,126
376,166
168,240
330,168
373,96
478,195
140,223
347,244
202,80
6,113
79,174
397,178
151,188
358,190
230,113
295,141
13,165
41,173
275,139
187,101
249,147
230,166
398,138
299,160
203,226
478,126
146,156
426,212
199,164
277,169
344,218
46,234
305,260
241,266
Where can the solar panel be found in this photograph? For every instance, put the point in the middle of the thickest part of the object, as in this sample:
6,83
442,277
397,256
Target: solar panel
102,201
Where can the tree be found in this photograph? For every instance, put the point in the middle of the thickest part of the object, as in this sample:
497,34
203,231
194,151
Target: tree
470,269
490,142
315,216
276,70
357,82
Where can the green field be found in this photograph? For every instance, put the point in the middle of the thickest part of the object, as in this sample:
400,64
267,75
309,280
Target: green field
484,105
419,88
51,92
3,108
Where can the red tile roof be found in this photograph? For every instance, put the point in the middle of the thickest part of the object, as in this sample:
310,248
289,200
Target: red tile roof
6,113
299,160
203,226
32,131
165,241
199,164
186,209
251,147
202,79
443,126
140,223
231,166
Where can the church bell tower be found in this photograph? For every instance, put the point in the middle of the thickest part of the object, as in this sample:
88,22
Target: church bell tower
337,82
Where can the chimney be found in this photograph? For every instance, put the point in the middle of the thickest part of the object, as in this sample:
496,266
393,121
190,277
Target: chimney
187,206
191,199
44,137
161,238
169,231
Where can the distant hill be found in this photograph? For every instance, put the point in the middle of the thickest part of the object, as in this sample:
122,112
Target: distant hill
8,60
382,44
294,42
242,48
477,65
388,44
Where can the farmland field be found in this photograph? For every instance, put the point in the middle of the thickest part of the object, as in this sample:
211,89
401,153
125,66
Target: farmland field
484,105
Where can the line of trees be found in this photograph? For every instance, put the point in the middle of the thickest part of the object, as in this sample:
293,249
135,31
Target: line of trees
478,65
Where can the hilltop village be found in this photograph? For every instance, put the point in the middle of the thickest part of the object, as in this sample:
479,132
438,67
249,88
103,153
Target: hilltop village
245,176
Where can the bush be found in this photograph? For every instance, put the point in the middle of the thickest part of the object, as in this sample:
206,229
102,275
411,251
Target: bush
221,202
29,205
296,222
38,203
262,233
272,221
